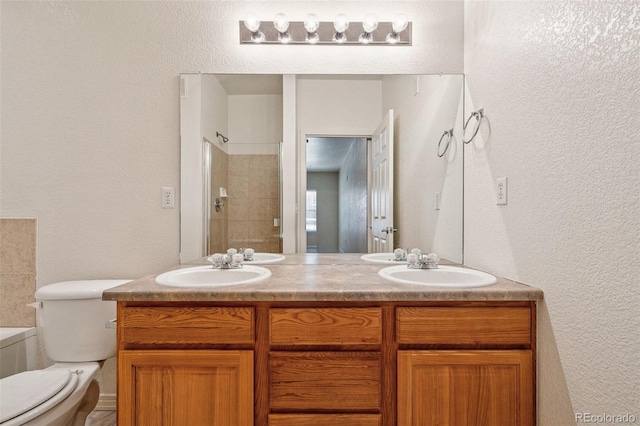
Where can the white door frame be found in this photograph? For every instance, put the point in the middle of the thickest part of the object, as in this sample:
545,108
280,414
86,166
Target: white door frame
301,203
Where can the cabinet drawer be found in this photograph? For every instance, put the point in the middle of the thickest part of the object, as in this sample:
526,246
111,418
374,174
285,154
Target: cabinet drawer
336,381
325,326
464,325
325,420
186,325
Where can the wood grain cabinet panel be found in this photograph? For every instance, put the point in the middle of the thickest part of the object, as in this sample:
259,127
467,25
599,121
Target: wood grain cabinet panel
166,325
330,381
494,325
325,326
325,420
185,387
465,388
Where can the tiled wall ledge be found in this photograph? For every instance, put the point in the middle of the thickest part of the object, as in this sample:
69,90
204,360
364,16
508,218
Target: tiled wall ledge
17,272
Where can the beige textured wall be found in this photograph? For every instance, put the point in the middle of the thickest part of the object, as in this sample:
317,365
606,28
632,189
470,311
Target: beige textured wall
90,111
17,272
559,83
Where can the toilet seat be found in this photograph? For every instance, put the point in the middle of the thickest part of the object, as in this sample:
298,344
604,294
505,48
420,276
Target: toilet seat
26,395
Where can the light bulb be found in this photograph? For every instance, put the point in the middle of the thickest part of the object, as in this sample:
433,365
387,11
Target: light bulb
311,23
252,22
370,23
399,23
281,23
312,38
341,23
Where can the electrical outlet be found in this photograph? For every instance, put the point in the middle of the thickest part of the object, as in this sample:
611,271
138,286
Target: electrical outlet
438,200
501,191
168,197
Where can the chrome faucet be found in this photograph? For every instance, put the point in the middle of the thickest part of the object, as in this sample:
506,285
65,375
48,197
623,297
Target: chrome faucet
417,260
400,255
247,253
231,260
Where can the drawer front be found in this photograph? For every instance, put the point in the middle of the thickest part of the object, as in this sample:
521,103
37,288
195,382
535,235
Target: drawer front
186,325
325,326
325,420
464,325
331,381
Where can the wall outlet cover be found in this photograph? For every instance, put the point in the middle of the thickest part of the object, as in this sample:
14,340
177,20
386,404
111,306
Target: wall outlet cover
501,191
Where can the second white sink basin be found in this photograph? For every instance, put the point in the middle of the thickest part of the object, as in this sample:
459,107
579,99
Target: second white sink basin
444,276
206,276
382,258
261,258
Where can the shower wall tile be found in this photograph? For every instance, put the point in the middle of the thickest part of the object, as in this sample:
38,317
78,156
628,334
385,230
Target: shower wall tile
253,202
17,246
16,291
218,239
17,272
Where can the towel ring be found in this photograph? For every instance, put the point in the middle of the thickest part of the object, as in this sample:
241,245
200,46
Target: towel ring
479,115
450,134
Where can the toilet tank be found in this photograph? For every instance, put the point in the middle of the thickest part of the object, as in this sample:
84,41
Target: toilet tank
72,317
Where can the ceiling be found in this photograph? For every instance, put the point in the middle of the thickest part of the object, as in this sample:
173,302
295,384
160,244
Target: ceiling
251,84
327,154
271,84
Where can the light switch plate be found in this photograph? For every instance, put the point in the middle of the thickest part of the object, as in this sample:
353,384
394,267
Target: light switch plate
501,191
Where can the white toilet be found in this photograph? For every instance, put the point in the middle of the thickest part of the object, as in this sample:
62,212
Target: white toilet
73,319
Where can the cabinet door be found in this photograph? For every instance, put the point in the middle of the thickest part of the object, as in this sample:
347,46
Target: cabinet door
178,387
459,388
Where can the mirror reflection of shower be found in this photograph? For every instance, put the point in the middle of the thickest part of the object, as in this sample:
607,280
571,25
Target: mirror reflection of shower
241,133
243,206
336,198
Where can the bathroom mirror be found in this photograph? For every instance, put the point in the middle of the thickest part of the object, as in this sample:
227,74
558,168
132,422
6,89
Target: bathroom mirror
234,136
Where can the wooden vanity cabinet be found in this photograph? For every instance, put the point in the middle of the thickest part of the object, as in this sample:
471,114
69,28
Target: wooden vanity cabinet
185,365
466,365
326,363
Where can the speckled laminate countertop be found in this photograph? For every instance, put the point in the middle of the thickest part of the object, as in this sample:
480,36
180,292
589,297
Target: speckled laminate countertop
319,277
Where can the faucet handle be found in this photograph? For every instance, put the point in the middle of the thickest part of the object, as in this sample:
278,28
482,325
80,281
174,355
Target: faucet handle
248,254
216,259
400,254
433,257
236,260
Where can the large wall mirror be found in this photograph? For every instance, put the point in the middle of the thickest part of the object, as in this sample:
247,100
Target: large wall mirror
321,163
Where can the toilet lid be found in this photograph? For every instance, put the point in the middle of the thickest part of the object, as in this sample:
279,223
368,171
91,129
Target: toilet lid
24,391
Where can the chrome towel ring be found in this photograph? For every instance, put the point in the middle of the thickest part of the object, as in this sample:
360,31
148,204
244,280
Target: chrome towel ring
479,115
448,133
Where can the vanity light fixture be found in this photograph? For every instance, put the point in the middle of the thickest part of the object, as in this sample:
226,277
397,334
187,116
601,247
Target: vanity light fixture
340,31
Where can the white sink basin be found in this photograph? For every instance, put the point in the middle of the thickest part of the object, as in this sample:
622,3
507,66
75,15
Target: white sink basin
444,276
261,258
382,258
206,276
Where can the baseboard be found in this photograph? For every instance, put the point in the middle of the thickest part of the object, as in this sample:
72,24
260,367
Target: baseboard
106,402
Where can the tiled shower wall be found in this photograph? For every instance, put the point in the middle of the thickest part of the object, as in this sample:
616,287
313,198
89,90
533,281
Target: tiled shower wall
17,272
253,202
218,225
